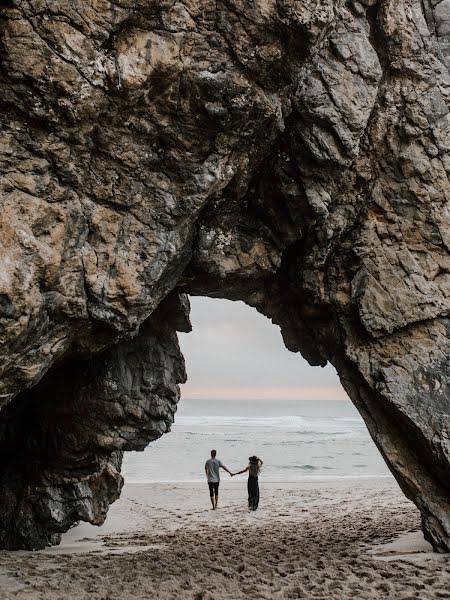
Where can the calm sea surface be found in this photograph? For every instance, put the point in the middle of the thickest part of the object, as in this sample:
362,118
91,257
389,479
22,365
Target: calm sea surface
296,440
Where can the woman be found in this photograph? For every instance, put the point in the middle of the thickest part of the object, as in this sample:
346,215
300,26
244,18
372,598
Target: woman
253,468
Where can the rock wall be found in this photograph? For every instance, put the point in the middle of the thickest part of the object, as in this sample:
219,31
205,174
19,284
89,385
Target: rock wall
61,442
293,155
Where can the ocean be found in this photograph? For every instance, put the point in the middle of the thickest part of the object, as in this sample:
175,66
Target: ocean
297,440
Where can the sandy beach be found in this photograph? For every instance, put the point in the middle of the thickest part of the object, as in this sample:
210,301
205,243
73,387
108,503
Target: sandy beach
332,539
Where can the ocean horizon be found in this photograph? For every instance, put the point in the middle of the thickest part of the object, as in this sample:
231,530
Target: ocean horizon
297,440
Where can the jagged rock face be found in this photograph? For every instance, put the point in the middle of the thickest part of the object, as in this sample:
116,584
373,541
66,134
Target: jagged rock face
62,441
293,155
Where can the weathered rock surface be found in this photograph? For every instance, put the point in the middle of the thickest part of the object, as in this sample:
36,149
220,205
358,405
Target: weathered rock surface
294,155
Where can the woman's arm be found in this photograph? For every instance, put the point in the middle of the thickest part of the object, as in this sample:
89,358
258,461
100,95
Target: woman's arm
239,472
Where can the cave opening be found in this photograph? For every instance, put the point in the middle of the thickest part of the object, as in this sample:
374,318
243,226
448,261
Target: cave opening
247,394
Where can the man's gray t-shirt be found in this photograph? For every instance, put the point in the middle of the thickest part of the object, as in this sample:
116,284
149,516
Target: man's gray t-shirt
212,467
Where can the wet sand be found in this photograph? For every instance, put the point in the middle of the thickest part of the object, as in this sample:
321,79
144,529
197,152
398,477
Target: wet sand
328,540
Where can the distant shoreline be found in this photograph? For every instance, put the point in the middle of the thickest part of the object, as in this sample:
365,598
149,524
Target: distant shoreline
226,480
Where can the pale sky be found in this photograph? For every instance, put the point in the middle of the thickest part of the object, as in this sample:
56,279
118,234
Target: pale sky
235,353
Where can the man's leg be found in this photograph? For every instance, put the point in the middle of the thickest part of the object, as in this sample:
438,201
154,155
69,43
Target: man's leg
216,497
211,493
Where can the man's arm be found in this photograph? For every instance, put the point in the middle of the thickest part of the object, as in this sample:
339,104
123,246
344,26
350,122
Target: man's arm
225,469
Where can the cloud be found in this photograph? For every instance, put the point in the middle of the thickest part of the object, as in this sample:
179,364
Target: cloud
234,352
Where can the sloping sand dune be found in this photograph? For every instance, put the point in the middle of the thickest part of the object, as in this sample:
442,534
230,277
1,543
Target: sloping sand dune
329,540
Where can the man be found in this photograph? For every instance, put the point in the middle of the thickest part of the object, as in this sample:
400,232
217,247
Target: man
212,467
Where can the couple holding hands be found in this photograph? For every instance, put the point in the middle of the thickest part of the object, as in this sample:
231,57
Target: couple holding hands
212,471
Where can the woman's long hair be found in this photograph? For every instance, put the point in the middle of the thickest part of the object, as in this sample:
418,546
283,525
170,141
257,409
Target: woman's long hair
254,466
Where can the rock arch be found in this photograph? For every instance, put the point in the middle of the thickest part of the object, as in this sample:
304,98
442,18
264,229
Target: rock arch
293,155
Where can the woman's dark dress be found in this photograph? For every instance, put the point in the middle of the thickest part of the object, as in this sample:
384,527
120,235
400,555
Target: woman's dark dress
253,492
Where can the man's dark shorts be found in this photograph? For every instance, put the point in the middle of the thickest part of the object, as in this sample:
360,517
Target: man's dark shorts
213,489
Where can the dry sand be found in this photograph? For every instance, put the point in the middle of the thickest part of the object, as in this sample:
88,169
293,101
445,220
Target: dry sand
343,540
